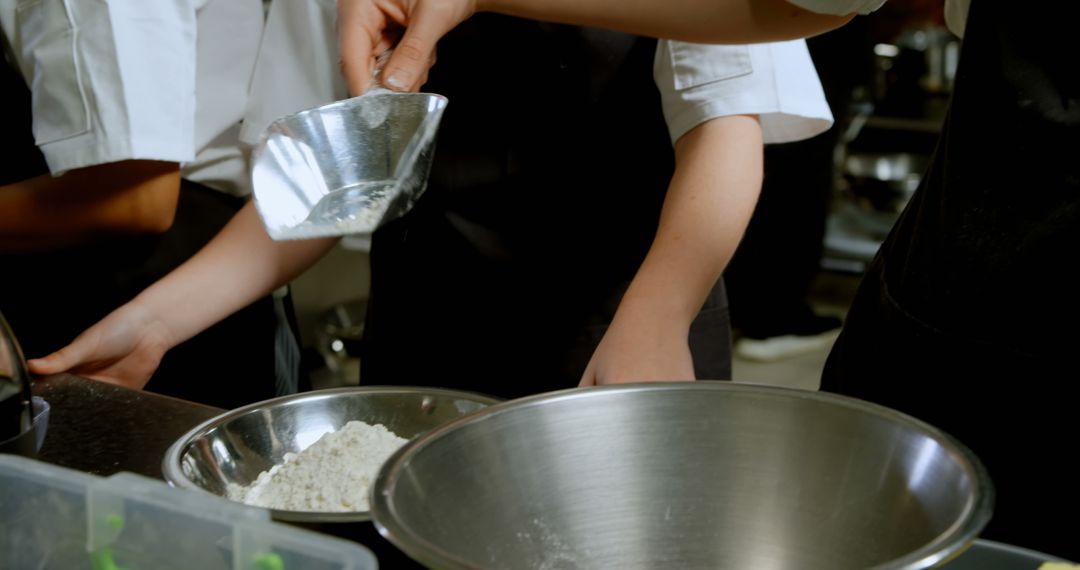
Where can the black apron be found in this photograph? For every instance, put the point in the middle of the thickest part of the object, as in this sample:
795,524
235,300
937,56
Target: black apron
550,171
968,316
49,298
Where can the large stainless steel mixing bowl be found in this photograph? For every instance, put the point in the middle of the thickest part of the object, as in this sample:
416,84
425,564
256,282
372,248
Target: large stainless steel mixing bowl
682,476
238,445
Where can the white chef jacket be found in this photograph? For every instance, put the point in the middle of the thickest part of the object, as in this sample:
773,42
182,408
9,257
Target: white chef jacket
138,79
298,69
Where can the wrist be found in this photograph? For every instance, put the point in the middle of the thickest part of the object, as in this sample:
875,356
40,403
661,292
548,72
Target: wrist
663,297
664,315
150,323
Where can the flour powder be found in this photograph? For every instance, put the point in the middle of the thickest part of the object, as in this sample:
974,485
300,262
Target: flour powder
332,475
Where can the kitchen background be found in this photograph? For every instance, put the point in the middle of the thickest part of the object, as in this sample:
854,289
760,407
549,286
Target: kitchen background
888,133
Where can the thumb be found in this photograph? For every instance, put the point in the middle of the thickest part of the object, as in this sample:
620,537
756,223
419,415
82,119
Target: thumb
60,361
414,53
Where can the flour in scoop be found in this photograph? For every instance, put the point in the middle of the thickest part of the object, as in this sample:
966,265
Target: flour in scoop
332,475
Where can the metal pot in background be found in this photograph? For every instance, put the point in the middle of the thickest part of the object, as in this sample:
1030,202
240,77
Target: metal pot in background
885,149
917,69
940,51
876,187
884,182
338,340
17,433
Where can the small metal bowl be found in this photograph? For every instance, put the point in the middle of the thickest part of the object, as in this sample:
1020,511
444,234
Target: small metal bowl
237,446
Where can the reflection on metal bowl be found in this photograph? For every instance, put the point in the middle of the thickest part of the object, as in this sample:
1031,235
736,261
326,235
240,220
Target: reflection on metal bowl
692,475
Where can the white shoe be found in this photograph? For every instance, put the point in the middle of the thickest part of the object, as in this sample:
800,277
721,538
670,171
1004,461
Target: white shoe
781,347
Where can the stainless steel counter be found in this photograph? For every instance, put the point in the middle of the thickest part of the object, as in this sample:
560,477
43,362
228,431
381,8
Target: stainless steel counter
103,429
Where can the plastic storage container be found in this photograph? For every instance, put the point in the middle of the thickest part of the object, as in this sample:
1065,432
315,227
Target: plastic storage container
59,519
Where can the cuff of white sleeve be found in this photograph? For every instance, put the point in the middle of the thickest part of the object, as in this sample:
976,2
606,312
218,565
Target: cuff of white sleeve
72,153
795,120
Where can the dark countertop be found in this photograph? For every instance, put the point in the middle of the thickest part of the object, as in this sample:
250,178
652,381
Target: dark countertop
103,429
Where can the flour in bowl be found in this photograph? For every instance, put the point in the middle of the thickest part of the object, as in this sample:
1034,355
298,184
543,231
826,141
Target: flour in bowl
332,475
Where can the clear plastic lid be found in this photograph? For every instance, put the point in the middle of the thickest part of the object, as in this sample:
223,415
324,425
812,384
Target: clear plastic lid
60,519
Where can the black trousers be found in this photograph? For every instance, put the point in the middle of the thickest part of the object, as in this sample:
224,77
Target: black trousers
967,318
1008,407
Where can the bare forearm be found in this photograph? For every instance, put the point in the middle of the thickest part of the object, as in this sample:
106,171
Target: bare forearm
240,265
129,197
708,205
704,21
365,26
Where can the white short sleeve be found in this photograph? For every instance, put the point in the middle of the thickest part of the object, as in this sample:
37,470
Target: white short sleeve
109,80
839,7
776,81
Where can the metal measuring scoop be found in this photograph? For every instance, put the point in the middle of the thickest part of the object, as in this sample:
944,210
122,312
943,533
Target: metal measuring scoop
347,167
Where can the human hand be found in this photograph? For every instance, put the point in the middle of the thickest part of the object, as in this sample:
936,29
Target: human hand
640,349
367,29
124,348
